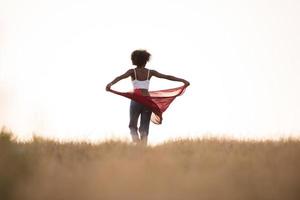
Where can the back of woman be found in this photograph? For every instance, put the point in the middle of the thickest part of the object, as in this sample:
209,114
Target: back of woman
140,77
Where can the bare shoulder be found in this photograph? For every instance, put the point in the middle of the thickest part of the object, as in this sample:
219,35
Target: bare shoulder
129,71
153,72
126,74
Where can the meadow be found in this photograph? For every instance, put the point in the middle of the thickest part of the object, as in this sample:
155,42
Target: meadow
211,168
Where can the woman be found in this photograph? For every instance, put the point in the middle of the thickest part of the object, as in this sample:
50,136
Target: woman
143,103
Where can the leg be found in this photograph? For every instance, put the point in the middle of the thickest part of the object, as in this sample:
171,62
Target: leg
144,124
134,116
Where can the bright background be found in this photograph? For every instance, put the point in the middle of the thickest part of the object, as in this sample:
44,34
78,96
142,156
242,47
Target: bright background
241,57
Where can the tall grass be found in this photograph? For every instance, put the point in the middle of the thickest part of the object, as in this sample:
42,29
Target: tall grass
184,169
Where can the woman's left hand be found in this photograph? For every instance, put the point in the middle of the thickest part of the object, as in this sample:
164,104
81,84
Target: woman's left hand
108,86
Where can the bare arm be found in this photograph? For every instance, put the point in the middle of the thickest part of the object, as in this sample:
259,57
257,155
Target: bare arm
118,78
168,77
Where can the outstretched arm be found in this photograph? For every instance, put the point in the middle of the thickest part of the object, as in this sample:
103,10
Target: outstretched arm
169,77
118,78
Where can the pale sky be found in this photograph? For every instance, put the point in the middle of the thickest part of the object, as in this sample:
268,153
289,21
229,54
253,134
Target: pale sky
241,58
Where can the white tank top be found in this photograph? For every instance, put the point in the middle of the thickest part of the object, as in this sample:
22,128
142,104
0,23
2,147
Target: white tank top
141,84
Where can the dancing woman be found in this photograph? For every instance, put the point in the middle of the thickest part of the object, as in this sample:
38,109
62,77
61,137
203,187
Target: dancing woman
145,103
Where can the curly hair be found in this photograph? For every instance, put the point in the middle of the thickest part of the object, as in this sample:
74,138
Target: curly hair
140,57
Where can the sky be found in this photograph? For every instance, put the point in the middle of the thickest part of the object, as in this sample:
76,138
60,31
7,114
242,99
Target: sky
241,58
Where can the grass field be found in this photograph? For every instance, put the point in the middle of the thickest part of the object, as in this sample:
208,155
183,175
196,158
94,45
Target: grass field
186,169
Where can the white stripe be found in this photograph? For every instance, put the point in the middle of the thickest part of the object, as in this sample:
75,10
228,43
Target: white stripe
148,74
135,74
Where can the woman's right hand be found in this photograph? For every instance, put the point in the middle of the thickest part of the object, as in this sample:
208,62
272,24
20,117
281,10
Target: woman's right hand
186,83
